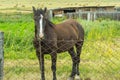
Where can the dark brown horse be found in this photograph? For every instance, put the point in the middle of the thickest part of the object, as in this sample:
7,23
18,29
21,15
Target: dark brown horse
56,38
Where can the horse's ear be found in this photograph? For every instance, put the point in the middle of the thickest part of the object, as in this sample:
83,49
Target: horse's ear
46,12
33,9
45,9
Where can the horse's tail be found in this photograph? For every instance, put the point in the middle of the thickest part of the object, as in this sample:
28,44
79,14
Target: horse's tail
81,31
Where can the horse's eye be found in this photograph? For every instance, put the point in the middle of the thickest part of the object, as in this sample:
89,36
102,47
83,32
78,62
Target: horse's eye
39,17
35,18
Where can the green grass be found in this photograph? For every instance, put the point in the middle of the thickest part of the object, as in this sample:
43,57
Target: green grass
18,34
99,58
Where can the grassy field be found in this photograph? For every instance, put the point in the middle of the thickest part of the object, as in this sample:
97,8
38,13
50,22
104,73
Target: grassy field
99,59
26,5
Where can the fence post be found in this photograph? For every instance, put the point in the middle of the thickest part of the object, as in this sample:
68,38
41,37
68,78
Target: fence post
79,13
1,54
94,16
88,16
50,14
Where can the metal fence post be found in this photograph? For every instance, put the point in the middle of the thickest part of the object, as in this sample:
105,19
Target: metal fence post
1,54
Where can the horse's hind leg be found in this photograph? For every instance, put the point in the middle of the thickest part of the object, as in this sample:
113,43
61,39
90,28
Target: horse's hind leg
78,50
73,56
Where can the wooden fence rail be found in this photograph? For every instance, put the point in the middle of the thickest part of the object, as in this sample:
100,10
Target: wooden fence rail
88,15
1,54
94,15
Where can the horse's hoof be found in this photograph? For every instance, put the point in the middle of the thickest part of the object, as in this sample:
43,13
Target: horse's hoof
77,77
70,78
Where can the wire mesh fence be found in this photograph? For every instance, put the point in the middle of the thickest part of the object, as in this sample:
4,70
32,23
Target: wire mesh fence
99,58
99,61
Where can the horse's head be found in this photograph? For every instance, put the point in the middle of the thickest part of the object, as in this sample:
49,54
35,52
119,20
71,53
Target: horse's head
40,22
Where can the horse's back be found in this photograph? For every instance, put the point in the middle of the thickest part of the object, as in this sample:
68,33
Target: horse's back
69,30
68,34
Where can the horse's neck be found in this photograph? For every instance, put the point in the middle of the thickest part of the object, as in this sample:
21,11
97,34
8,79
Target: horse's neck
50,31
49,25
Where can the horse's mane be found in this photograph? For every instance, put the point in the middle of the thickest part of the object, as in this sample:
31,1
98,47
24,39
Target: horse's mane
51,24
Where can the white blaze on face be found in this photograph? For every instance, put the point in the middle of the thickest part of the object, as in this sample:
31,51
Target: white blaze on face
41,26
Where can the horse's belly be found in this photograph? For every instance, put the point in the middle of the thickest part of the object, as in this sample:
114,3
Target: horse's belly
65,45
62,46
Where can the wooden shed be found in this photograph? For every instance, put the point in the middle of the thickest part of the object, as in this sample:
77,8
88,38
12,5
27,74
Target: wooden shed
59,12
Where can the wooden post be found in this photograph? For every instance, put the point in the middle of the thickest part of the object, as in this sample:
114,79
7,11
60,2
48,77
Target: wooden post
70,15
50,14
88,16
94,16
1,55
80,15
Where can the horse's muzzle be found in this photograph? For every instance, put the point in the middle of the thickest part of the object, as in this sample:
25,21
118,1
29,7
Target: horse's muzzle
41,36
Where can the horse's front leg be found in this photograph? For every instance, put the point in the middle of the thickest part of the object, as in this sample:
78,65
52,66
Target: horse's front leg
53,66
41,63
